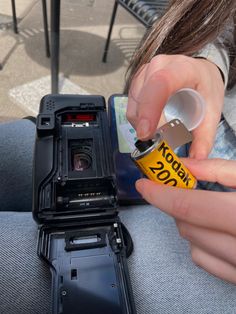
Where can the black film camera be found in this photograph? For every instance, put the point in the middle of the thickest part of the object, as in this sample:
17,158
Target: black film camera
75,205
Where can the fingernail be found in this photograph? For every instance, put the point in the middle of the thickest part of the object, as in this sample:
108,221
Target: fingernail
143,128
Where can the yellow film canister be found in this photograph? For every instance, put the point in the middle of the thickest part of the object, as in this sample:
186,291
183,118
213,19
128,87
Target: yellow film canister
159,163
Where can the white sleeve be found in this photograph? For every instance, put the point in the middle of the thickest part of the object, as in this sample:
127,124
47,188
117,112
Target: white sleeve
218,55
218,52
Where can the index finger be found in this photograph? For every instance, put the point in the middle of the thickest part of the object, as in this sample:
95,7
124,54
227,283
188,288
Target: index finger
214,210
217,170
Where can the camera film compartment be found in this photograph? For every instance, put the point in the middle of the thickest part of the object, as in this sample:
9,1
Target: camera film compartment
84,180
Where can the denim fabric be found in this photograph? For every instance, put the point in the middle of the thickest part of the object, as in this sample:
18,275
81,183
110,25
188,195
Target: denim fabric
163,276
224,147
24,278
16,157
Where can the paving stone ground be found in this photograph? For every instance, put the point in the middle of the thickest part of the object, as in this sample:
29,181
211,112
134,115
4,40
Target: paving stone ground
25,76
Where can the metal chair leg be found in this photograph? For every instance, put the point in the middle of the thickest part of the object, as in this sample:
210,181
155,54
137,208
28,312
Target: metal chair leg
45,24
104,58
13,5
55,45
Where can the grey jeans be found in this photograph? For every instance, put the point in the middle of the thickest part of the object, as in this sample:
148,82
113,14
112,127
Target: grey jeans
163,277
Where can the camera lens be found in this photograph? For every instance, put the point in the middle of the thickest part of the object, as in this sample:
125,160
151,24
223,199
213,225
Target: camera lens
81,161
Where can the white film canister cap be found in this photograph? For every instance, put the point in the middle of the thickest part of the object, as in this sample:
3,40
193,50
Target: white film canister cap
188,106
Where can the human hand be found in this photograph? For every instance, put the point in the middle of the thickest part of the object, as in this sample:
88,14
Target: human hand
206,219
162,77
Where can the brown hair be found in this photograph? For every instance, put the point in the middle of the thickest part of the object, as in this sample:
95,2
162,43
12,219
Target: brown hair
185,28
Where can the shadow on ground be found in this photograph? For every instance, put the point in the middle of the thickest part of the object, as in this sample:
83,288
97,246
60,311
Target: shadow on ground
81,53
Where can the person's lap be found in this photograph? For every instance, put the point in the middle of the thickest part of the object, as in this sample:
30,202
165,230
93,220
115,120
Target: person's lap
163,277
16,158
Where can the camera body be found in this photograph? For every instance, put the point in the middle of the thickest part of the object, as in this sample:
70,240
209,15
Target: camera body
75,204
73,173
